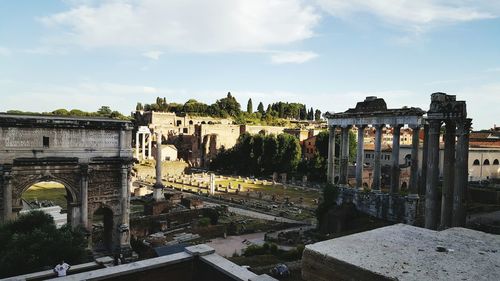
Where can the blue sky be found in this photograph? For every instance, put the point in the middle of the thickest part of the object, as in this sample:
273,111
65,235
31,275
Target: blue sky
328,54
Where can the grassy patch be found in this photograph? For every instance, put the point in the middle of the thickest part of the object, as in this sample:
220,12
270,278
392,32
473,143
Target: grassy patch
50,191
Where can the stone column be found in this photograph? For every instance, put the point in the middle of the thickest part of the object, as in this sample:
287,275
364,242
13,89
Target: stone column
448,175
158,187
414,162
150,151
431,196
461,173
376,161
344,158
425,155
212,184
395,172
137,145
125,206
143,153
84,189
7,197
360,153
331,155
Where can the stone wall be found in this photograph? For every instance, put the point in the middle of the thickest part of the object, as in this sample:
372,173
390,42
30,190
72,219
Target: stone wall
394,208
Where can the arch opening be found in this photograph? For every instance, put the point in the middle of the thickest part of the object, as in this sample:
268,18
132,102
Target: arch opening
51,197
102,230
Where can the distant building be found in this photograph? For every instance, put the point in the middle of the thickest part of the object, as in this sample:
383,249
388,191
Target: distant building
168,152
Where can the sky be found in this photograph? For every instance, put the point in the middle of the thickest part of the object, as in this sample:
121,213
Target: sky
328,54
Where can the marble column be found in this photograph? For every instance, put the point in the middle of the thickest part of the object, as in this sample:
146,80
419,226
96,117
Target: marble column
414,162
150,151
7,197
143,153
137,145
431,195
344,159
376,185
461,173
448,175
425,155
360,153
84,187
125,207
395,171
158,187
331,155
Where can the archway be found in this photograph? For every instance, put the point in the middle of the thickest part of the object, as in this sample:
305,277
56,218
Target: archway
50,197
102,230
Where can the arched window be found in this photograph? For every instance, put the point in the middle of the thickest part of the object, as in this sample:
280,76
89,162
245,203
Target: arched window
495,162
486,162
476,162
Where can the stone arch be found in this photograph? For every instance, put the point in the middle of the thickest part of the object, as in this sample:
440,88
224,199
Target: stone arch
486,162
476,162
495,162
404,186
68,184
103,238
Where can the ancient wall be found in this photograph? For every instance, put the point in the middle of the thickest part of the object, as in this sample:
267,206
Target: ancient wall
394,208
253,130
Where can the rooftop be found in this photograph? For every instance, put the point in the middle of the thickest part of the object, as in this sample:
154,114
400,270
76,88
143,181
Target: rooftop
404,252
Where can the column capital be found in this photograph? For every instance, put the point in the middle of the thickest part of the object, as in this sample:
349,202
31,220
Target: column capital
332,128
84,169
362,127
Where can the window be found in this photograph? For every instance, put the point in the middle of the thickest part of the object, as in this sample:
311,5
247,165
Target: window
495,162
367,156
185,130
486,162
476,162
46,142
179,122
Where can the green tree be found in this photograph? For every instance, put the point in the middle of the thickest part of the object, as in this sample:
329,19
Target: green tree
249,106
139,107
317,115
32,243
330,193
310,114
260,108
270,154
193,106
104,111
289,153
227,106
60,112
303,113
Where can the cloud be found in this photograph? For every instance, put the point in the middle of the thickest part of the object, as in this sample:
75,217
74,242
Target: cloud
413,15
292,57
87,96
5,51
493,69
186,25
154,55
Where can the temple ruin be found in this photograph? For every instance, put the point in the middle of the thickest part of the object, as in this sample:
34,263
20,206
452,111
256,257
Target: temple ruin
424,177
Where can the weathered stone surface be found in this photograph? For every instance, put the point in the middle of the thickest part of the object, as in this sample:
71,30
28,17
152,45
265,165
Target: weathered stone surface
403,252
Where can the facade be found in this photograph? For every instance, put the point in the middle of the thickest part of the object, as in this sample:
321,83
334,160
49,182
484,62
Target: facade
91,157
309,147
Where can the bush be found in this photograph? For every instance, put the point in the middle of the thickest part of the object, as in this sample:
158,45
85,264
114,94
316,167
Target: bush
33,243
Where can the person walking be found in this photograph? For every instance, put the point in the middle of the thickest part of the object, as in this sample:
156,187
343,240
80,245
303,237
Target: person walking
62,268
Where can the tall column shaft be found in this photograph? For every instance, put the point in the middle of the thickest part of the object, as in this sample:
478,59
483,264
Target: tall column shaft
448,175
414,162
425,155
360,153
150,151
461,173
143,152
137,145
431,195
331,155
395,172
157,192
125,206
344,159
84,187
376,161
7,198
